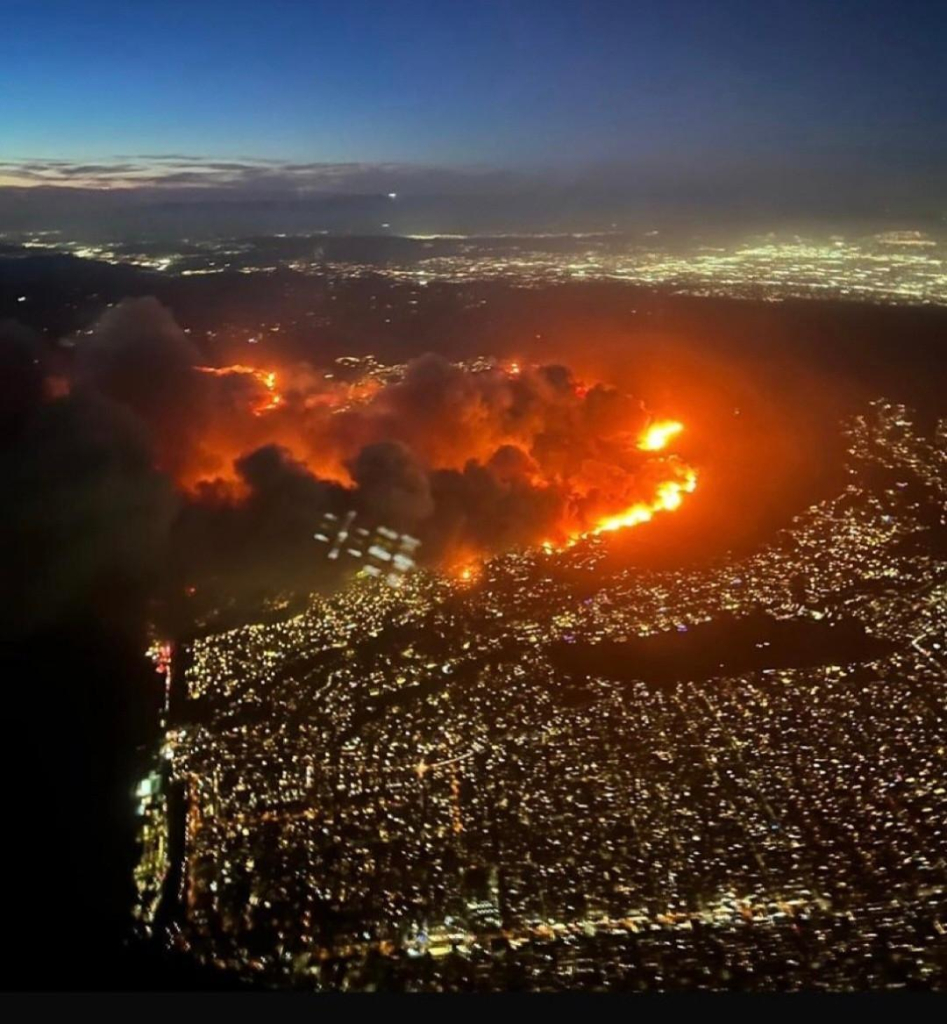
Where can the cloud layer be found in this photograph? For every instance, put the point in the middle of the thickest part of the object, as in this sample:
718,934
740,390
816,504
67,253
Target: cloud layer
176,172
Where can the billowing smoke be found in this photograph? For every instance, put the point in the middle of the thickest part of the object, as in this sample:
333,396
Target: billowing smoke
244,548
138,461
85,512
138,357
391,482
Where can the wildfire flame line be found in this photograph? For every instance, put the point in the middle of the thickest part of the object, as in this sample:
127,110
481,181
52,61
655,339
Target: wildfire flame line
265,377
669,496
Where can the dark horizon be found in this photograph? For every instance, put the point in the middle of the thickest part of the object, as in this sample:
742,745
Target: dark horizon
88,215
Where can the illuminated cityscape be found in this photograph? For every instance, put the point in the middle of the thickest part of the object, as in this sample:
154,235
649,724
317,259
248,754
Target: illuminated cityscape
543,776
890,266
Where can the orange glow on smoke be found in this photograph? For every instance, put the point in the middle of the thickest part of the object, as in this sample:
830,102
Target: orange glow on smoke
467,573
55,386
669,494
658,434
592,451
272,399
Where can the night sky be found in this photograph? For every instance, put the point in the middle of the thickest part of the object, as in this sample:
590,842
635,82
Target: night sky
368,96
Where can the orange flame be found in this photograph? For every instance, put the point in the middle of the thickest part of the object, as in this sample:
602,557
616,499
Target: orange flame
672,483
265,377
467,573
669,494
658,434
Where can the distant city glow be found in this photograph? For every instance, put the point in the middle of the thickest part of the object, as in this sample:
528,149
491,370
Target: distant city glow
901,267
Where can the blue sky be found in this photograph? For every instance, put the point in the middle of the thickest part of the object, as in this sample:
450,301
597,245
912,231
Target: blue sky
514,84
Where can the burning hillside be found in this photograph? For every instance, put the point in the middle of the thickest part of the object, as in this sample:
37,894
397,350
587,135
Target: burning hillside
479,458
226,471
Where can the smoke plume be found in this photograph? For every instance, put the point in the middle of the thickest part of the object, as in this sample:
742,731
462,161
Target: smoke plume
139,461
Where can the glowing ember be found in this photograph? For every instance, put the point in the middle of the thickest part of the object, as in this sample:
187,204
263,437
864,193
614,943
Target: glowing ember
56,386
658,434
468,569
